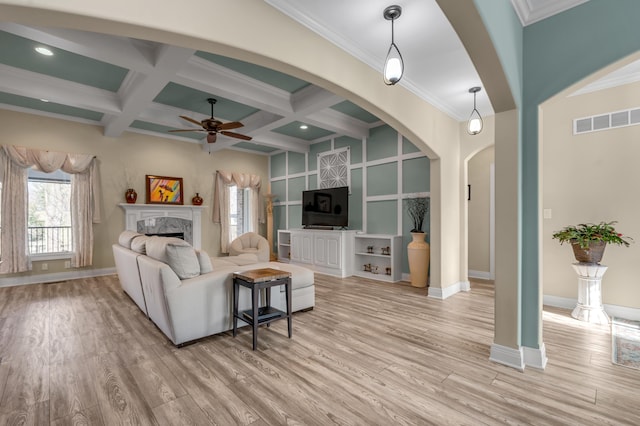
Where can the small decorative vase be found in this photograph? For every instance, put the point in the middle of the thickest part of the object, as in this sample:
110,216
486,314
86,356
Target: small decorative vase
418,252
131,196
197,199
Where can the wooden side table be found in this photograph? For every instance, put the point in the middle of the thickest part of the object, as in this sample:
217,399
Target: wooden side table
256,280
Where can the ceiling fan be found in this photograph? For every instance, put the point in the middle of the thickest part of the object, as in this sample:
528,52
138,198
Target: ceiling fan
213,126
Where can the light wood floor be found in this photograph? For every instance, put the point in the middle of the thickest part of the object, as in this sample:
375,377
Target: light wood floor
370,353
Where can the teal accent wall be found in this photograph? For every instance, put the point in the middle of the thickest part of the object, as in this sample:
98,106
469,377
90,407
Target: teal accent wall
314,150
556,53
313,181
295,216
382,143
296,186
279,190
382,179
408,147
382,217
296,163
415,175
354,144
279,165
355,200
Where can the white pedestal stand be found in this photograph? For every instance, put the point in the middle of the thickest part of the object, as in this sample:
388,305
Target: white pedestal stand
589,307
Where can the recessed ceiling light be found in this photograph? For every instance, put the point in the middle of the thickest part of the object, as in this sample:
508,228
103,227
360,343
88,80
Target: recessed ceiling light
44,51
304,127
44,100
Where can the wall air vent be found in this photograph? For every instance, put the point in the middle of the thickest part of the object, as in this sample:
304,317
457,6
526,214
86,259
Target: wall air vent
611,120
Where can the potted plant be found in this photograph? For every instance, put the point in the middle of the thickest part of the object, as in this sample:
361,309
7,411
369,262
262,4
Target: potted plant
417,209
589,240
418,249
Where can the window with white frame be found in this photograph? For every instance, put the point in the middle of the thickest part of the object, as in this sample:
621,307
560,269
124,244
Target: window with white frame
239,212
49,213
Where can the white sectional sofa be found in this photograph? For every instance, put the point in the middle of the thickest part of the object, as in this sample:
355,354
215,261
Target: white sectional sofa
189,295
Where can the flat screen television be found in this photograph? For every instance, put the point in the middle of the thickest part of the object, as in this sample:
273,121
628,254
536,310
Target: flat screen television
326,207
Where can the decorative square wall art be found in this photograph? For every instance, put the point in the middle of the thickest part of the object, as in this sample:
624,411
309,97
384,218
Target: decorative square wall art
164,190
333,168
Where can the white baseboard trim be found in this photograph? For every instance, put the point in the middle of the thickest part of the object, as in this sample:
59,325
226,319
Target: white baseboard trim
56,276
505,355
611,310
535,357
406,277
481,275
443,293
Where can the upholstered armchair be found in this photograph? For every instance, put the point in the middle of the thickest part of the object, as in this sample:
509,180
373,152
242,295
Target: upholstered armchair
250,242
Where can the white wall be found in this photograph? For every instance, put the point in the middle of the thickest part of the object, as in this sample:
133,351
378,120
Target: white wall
591,178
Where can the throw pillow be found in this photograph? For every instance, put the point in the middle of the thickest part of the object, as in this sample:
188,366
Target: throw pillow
183,260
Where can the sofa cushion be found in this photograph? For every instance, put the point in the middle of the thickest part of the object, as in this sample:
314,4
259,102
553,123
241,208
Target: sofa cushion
126,237
205,262
139,244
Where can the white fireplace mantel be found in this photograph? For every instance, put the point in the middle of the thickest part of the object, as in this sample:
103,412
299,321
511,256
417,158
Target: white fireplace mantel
137,212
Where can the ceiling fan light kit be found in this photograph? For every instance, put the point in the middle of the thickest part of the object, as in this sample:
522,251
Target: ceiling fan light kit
213,126
475,124
393,64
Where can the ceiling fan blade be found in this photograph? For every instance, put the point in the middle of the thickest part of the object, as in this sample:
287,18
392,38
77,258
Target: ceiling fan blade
230,125
184,117
187,130
237,135
211,137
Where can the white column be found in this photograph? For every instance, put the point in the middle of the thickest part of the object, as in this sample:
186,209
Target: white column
589,307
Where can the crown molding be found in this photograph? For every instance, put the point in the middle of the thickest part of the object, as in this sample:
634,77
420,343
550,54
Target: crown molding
532,11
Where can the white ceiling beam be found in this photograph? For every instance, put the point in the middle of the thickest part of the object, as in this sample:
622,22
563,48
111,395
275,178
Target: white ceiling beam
142,89
215,79
286,143
313,98
113,50
339,123
39,86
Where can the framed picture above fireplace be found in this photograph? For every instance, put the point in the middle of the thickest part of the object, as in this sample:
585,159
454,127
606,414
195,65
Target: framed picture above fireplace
164,190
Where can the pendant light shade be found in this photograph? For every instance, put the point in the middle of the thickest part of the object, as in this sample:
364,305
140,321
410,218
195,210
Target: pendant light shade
393,64
474,126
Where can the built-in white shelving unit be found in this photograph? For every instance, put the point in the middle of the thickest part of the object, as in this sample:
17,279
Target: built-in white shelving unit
378,257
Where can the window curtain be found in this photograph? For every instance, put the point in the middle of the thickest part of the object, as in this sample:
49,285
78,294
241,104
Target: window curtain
85,202
221,214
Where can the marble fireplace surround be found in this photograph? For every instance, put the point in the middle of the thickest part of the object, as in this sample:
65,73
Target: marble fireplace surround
165,218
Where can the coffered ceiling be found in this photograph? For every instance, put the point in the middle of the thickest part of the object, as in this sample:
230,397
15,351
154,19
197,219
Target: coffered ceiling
124,84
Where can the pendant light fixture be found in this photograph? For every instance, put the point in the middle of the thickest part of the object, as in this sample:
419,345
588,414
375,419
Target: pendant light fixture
474,126
393,64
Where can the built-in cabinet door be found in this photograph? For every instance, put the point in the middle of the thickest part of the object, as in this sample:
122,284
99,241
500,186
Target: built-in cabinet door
296,247
320,250
327,250
307,248
334,255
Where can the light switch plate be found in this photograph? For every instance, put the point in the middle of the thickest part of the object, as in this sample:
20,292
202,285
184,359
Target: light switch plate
546,213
